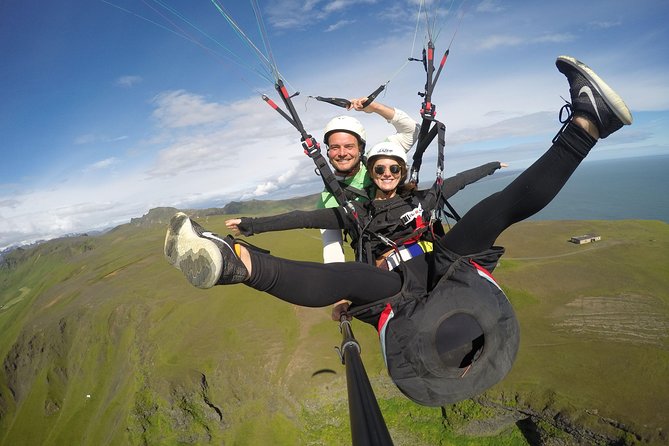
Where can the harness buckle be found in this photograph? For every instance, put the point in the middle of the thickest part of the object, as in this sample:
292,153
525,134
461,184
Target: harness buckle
410,216
439,177
428,110
311,147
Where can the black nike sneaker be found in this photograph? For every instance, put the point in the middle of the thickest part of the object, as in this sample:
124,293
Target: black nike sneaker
591,96
205,258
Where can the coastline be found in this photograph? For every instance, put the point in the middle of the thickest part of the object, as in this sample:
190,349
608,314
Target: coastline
612,189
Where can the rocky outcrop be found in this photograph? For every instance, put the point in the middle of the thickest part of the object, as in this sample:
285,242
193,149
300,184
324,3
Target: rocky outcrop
188,410
547,427
155,216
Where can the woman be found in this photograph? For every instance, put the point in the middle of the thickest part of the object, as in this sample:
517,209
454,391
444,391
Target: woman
461,338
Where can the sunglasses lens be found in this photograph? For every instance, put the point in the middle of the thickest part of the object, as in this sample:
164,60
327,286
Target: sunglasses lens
394,169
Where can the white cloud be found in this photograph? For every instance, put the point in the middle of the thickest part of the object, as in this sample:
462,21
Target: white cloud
48,214
102,164
289,14
518,126
191,153
495,41
239,135
91,138
554,38
9,203
85,139
286,178
128,81
338,25
490,6
605,24
340,5
182,109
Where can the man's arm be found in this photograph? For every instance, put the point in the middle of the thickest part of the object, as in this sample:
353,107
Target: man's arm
333,244
380,109
407,130
406,127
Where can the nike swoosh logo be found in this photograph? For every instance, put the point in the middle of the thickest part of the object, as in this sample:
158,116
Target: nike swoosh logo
211,235
586,90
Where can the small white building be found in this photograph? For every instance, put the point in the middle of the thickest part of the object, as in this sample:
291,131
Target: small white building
587,238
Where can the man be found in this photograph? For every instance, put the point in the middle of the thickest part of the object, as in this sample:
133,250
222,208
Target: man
346,138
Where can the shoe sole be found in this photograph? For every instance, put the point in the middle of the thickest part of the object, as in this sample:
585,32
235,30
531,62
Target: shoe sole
198,258
610,97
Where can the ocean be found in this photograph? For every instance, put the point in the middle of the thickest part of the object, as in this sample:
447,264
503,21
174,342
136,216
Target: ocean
618,189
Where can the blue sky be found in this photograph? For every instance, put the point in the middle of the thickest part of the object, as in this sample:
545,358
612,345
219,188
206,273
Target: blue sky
111,108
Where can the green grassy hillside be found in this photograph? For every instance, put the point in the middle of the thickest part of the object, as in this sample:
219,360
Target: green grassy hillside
594,321
103,342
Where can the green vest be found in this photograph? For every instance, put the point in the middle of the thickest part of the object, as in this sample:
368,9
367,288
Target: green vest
360,181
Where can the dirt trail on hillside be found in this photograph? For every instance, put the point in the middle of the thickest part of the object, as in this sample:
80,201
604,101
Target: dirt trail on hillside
23,293
307,317
594,246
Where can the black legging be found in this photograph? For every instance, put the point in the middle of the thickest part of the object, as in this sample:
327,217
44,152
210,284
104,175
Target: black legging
313,284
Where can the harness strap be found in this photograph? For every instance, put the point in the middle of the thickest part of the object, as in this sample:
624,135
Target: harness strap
345,103
355,310
425,137
429,129
392,258
353,192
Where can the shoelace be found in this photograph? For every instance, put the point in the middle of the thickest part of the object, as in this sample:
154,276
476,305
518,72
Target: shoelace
566,109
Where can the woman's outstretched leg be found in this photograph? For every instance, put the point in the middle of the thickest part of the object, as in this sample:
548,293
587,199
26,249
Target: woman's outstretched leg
314,284
530,192
597,112
207,259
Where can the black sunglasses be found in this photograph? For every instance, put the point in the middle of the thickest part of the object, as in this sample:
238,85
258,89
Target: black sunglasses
394,169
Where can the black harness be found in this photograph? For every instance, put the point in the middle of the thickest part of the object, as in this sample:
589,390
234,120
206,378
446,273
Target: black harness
408,219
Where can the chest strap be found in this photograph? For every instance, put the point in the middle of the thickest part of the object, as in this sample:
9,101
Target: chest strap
392,258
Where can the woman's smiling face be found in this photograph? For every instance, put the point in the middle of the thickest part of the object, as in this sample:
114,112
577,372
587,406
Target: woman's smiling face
386,174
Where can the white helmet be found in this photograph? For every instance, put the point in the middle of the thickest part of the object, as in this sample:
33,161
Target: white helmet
346,124
387,148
